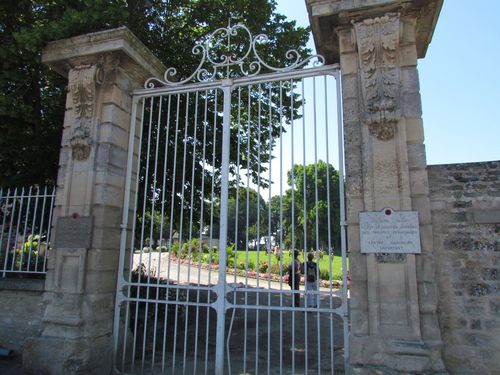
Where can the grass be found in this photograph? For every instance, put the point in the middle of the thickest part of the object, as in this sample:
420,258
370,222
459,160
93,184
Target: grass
263,256
249,262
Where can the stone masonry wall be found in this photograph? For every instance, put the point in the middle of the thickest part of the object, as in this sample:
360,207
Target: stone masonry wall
465,200
21,310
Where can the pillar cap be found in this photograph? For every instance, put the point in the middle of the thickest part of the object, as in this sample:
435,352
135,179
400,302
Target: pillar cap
327,16
62,54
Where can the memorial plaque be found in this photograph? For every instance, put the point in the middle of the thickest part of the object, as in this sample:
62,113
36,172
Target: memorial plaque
74,232
389,231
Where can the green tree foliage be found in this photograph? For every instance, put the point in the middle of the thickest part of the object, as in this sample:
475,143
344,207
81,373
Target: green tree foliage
32,97
307,223
284,218
247,216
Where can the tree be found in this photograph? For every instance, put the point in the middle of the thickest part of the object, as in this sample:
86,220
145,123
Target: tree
315,220
285,218
247,217
32,97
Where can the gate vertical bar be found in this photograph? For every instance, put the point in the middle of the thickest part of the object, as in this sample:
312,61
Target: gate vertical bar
120,282
221,283
343,224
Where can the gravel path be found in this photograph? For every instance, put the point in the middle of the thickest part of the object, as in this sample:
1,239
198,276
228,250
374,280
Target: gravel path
184,273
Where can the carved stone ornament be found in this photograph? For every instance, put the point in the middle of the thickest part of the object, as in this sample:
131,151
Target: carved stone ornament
378,42
82,86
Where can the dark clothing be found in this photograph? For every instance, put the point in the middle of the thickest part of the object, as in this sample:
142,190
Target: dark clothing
311,271
296,286
294,280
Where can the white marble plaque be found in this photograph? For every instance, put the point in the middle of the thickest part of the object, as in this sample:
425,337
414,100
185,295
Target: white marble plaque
389,231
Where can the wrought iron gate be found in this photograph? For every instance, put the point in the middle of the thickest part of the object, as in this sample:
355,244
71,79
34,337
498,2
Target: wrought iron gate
231,171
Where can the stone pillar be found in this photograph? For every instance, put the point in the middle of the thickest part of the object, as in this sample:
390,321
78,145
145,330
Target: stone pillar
393,296
102,70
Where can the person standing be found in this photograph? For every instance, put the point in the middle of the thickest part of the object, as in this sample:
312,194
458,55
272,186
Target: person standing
294,270
311,276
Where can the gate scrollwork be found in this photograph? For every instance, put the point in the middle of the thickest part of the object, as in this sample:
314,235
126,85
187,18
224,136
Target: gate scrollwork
216,50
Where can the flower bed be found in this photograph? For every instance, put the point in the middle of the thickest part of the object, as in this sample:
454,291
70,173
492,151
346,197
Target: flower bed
266,276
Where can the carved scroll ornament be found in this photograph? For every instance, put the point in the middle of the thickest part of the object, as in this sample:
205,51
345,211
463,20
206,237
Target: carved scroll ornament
82,85
378,42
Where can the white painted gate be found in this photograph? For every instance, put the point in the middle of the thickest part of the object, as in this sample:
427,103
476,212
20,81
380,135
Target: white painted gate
230,171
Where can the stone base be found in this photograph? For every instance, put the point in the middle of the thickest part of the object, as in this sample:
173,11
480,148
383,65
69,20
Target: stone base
59,356
375,355
382,370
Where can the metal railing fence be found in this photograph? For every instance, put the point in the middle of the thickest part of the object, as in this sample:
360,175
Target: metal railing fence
25,225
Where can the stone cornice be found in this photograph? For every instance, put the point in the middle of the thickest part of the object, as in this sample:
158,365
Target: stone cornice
62,55
327,16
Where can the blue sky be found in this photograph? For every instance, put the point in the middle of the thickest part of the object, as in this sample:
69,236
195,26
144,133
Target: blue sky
459,81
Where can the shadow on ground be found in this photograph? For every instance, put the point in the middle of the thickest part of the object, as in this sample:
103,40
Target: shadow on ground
263,334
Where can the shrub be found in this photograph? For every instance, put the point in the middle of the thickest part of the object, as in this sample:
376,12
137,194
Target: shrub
195,256
141,273
337,276
205,258
205,249
251,265
275,268
324,275
197,249
214,259
25,256
230,255
175,249
191,248
263,267
184,250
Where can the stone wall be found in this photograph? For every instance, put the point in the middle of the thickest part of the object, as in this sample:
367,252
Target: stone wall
21,311
465,201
